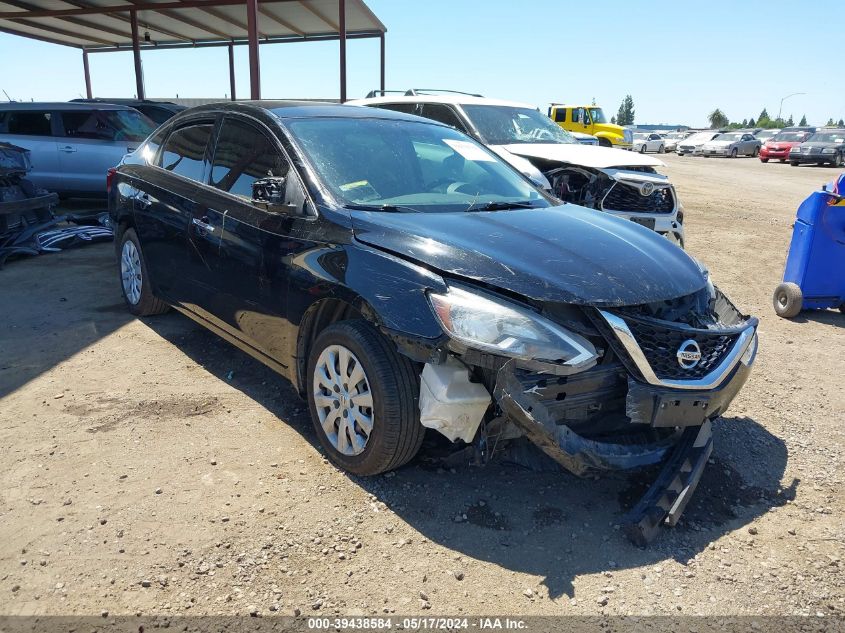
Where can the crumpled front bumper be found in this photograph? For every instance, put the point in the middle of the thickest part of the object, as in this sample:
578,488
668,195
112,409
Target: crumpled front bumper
665,422
648,407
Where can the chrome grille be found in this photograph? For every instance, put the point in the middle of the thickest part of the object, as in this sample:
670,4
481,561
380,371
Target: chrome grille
626,198
660,344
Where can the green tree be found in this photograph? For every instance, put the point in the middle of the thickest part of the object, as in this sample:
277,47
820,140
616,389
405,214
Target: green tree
625,115
717,119
745,123
840,123
763,115
751,123
789,122
613,120
803,120
830,122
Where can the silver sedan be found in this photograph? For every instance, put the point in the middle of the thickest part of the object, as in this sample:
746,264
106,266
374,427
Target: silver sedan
732,144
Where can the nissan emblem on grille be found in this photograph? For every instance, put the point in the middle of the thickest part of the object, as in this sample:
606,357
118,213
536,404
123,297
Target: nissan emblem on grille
646,189
689,354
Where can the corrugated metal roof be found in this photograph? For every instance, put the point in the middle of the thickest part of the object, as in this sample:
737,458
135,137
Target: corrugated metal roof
105,24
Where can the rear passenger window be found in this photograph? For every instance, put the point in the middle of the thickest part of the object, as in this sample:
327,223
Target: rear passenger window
184,151
444,114
407,108
29,123
243,155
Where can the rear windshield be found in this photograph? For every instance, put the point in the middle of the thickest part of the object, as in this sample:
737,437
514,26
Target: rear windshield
107,125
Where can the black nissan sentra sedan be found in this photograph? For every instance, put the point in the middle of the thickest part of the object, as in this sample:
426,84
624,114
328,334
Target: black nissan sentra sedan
404,277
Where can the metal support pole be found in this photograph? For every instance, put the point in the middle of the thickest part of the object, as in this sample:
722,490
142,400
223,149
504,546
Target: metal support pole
232,70
254,65
136,51
382,84
342,33
87,74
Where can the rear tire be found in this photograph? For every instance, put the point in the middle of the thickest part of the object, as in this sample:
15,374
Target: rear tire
135,283
363,439
765,160
837,162
755,152
661,150
793,163
787,300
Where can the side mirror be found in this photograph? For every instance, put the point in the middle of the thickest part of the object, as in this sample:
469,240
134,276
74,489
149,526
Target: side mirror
269,193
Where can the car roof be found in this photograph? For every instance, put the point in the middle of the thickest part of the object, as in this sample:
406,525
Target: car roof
453,99
59,105
305,110
126,101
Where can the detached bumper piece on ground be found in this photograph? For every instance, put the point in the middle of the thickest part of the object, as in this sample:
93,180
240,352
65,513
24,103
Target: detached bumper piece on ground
27,224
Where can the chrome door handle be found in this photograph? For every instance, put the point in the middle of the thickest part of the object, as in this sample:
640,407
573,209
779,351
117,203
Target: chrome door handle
144,201
207,228
67,148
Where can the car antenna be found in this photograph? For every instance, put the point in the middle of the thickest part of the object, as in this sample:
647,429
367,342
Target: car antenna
7,96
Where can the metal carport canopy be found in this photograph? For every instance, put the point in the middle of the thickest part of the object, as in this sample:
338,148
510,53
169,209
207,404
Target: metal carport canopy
116,25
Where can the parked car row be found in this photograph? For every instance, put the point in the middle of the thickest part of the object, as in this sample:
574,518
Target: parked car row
403,275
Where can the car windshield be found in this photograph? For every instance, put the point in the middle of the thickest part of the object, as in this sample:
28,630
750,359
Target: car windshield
597,115
789,136
728,137
828,137
506,125
387,165
640,136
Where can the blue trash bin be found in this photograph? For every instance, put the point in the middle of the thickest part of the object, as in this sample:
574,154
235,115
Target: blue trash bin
814,277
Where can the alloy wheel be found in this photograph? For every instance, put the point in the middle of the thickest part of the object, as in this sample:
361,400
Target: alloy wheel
130,272
343,399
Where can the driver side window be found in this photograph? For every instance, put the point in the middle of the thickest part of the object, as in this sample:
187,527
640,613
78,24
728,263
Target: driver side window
243,155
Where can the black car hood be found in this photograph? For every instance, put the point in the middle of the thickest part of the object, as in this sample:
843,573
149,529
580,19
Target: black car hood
563,254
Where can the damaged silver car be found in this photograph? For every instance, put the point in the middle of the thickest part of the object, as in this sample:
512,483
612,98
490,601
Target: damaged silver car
404,276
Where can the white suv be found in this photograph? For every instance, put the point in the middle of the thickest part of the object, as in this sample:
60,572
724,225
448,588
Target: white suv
616,181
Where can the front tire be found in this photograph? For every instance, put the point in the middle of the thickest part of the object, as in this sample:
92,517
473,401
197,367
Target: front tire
733,153
765,160
837,162
793,163
135,284
787,300
363,396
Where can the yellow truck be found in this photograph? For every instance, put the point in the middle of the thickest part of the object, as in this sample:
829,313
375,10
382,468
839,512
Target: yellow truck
590,119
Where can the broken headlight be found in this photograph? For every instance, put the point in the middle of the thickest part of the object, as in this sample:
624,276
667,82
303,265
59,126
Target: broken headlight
492,325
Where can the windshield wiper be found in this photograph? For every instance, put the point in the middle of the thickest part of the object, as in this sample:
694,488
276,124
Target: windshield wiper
389,208
501,206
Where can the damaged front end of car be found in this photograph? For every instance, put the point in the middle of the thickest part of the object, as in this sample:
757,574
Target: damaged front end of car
594,388
639,194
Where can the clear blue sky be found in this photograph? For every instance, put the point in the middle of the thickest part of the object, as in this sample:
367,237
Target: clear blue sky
678,59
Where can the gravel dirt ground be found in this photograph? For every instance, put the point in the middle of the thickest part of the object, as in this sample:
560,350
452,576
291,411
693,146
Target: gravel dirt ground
148,467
